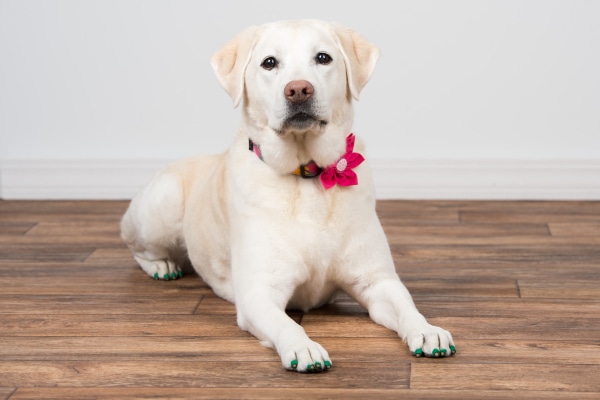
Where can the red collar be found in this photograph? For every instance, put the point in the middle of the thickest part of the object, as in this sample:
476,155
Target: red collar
341,173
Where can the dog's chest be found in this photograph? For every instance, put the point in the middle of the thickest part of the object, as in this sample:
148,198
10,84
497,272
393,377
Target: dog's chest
318,284
320,239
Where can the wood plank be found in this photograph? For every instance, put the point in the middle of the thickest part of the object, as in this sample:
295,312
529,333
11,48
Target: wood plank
13,229
110,325
118,348
286,393
494,376
99,304
23,253
527,207
559,289
397,236
61,269
198,374
481,234
111,256
321,326
468,230
75,228
99,233
575,230
496,211
500,254
434,269
511,351
65,238
568,215
417,213
534,328
85,282
506,307
462,287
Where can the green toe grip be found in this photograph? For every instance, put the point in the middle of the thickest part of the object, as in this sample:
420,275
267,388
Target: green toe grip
318,366
435,353
452,349
418,353
155,276
166,277
443,352
294,364
327,364
174,275
310,367
180,274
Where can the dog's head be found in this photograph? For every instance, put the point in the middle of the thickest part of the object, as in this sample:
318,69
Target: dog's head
296,80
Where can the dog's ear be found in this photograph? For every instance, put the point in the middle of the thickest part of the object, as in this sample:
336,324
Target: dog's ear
230,63
360,57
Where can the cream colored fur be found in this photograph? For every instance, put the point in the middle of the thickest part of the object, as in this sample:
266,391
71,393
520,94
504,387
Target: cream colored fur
261,237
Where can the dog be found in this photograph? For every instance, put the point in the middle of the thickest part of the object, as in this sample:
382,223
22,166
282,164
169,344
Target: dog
285,218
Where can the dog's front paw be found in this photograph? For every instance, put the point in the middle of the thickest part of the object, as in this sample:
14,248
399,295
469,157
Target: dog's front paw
431,341
160,269
306,356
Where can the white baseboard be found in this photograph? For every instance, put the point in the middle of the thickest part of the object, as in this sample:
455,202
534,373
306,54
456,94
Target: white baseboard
394,179
488,180
75,179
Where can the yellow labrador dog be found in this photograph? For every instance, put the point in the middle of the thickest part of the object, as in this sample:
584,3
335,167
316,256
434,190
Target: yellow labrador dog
286,217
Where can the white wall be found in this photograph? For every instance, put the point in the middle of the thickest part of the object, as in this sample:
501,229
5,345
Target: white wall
489,93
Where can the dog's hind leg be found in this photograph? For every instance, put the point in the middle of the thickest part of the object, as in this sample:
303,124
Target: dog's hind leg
151,227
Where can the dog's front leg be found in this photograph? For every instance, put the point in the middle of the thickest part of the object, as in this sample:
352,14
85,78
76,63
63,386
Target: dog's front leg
260,313
371,279
263,285
390,304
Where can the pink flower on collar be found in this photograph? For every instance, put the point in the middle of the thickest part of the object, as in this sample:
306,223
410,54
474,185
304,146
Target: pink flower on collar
341,172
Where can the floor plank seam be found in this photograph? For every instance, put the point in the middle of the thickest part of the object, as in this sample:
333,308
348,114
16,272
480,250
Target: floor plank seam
12,393
409,375
198,305
518,288
549,230
30,228
89,255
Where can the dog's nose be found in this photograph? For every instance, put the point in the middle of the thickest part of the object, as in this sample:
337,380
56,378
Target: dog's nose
298,91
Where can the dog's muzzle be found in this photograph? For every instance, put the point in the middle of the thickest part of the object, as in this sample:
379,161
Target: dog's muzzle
301,113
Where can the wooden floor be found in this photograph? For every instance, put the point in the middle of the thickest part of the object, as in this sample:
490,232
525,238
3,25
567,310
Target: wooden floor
517,283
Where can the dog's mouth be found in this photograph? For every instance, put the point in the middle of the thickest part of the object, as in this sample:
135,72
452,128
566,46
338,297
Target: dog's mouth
302,120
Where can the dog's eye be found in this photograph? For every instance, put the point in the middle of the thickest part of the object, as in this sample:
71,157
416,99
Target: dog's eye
323,58
269,63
